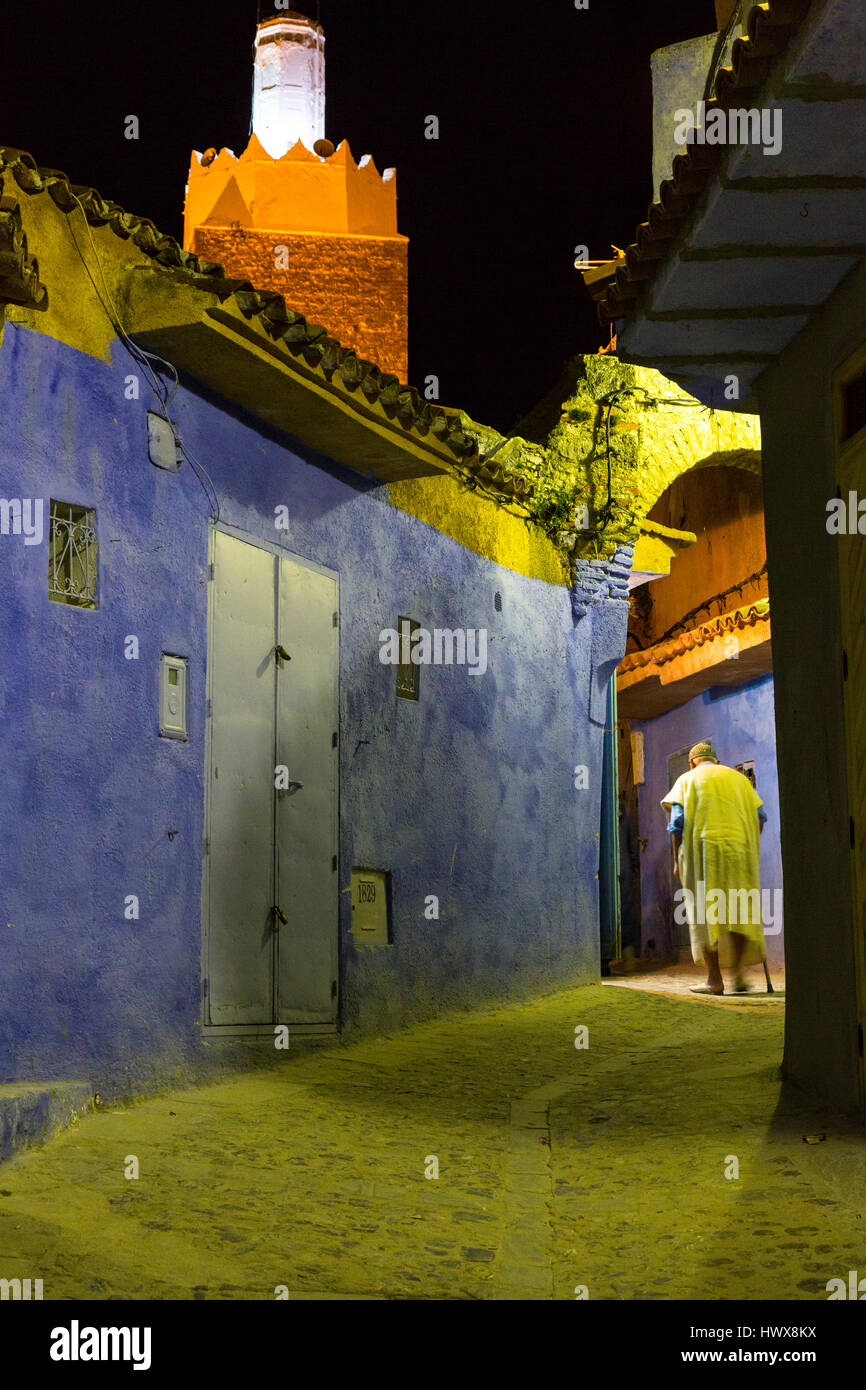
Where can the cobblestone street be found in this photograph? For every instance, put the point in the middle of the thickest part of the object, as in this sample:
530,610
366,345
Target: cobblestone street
558,1167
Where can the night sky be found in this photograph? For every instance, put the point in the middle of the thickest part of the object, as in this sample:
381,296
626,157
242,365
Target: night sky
545,143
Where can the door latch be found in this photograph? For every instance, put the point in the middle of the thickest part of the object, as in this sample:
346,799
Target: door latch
290,789
281,917
281,653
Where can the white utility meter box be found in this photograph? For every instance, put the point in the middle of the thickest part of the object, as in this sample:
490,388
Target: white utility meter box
370,907
172,696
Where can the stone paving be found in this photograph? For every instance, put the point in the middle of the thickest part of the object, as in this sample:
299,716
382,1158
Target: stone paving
561,1168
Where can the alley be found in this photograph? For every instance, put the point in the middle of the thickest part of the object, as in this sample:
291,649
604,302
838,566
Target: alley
559,1167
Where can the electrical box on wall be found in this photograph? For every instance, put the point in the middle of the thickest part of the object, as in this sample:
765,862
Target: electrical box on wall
370,907
162,444
172,696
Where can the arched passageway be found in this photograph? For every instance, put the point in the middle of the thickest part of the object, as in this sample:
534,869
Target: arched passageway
698,665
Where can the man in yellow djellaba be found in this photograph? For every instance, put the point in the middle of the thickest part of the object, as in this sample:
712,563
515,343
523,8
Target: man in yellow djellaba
716,819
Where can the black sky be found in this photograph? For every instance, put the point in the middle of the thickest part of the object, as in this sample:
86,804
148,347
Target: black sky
545,143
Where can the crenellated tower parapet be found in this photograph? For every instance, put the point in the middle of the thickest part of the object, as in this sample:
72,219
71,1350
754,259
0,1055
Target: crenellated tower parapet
293,214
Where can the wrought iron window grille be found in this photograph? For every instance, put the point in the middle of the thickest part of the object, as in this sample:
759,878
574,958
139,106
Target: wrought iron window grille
72,555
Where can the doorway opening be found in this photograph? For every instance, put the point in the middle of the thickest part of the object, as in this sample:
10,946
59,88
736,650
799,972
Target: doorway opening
698,668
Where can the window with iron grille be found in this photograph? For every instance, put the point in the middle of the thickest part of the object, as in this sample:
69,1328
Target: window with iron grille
408,672
72,555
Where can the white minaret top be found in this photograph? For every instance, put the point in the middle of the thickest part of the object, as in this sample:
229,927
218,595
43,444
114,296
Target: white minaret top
288,82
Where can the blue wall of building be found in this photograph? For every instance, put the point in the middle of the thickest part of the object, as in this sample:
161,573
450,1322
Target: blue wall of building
740,720
468,794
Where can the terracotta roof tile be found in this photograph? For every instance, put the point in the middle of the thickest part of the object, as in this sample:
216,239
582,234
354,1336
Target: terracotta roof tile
740,618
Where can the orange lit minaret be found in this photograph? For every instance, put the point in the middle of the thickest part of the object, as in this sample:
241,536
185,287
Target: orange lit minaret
292,214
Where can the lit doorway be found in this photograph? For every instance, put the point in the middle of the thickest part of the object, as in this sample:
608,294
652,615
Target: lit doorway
698,667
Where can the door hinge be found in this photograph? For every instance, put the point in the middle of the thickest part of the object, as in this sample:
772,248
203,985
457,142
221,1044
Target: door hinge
334,862
205,846
334,739
211,572
336,619
844,664
333,989
210,708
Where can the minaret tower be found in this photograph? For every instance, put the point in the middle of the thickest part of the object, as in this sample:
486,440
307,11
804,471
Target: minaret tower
288,83
292,214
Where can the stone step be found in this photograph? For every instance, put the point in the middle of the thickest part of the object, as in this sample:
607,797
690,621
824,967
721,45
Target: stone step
32,1111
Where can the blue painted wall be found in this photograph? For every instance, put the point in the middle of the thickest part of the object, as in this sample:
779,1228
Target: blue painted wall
468,794
741,724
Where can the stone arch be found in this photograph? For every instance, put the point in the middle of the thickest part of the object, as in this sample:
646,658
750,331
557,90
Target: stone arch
671,448
704,535
665,458
649,429
646,546
748,459
605,573
607,441
658,433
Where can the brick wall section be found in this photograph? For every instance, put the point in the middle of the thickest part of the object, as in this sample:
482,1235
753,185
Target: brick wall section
356,287
601,579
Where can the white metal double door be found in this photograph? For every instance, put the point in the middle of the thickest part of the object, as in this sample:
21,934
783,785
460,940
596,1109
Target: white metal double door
271,897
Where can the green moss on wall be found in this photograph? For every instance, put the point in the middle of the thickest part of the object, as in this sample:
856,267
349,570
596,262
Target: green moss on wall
604,445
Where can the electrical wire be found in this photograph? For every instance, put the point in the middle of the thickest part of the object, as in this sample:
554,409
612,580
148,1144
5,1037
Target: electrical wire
717,598
720,46
606,510
610,400
160,390
475,486
141,356
144,359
